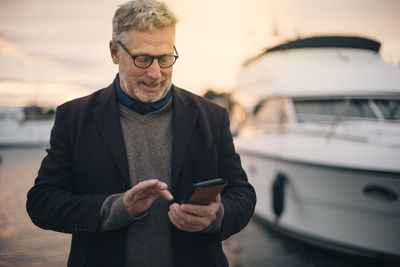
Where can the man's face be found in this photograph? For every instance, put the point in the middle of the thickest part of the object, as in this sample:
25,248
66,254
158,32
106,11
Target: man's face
150,84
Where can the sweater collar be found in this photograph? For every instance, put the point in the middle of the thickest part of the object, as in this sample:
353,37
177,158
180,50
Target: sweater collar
136,106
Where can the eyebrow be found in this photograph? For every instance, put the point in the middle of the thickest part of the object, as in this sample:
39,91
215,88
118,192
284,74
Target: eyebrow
145,54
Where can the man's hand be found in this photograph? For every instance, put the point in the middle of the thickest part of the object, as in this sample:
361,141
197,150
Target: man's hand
139,198
194,218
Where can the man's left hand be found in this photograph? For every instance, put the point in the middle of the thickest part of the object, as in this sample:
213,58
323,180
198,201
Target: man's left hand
194,218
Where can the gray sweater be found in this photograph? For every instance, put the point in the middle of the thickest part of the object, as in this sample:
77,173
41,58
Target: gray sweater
148,142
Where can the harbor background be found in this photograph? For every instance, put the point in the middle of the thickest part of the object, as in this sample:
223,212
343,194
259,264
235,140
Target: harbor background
53,51
24,244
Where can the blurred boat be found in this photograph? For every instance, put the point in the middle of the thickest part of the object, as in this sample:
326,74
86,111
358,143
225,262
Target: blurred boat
321,142
25,126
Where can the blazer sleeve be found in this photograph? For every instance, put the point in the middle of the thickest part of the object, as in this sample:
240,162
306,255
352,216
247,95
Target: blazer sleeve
51,203
239,198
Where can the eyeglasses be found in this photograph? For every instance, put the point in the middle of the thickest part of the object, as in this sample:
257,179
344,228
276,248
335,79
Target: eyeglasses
145,61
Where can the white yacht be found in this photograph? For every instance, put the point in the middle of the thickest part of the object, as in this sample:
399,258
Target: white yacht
25,126
321,142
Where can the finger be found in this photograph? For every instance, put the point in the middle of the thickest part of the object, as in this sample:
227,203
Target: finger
162,186
141,187
179,222
184,224
166,194
151,184
196,210
174,209
186,220
175,221
201,210
149,196
216,199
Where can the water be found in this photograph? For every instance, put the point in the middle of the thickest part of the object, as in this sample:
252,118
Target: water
23,244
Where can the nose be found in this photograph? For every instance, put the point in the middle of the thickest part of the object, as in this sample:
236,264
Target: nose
154,70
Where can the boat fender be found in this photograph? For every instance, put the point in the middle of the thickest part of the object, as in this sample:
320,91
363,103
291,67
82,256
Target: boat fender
278,194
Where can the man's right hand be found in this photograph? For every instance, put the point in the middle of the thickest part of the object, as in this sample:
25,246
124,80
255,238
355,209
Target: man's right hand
139,198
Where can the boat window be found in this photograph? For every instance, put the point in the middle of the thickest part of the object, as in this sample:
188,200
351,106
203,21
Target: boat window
268,111
330,109
359,108
390,109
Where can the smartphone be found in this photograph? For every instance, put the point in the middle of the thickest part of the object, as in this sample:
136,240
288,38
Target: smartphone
204,192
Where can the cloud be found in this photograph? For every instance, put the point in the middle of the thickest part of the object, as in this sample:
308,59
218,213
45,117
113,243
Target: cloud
10,49
68,66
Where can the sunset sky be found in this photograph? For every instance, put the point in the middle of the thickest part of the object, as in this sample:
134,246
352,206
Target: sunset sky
51,51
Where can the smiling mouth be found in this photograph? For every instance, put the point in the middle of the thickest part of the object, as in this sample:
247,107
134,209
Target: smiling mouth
150,85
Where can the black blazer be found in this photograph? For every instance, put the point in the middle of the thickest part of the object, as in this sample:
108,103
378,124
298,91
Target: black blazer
86,162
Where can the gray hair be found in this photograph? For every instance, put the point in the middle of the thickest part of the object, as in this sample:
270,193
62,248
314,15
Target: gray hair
142,15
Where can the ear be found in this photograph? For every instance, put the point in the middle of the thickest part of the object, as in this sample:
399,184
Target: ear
114,52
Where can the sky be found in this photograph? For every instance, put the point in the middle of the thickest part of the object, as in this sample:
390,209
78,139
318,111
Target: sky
53,51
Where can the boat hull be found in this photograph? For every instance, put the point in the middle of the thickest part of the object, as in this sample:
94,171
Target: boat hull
329,204
30,133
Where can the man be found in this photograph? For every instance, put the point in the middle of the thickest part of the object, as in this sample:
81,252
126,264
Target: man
122,160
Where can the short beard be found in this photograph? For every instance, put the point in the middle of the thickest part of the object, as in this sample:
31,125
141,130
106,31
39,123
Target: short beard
144,98
151,99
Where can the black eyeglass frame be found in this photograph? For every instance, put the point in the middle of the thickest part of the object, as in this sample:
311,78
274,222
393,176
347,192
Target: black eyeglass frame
151,57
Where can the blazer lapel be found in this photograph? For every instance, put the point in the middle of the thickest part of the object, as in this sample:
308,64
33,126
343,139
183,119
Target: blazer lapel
183,126
106,115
